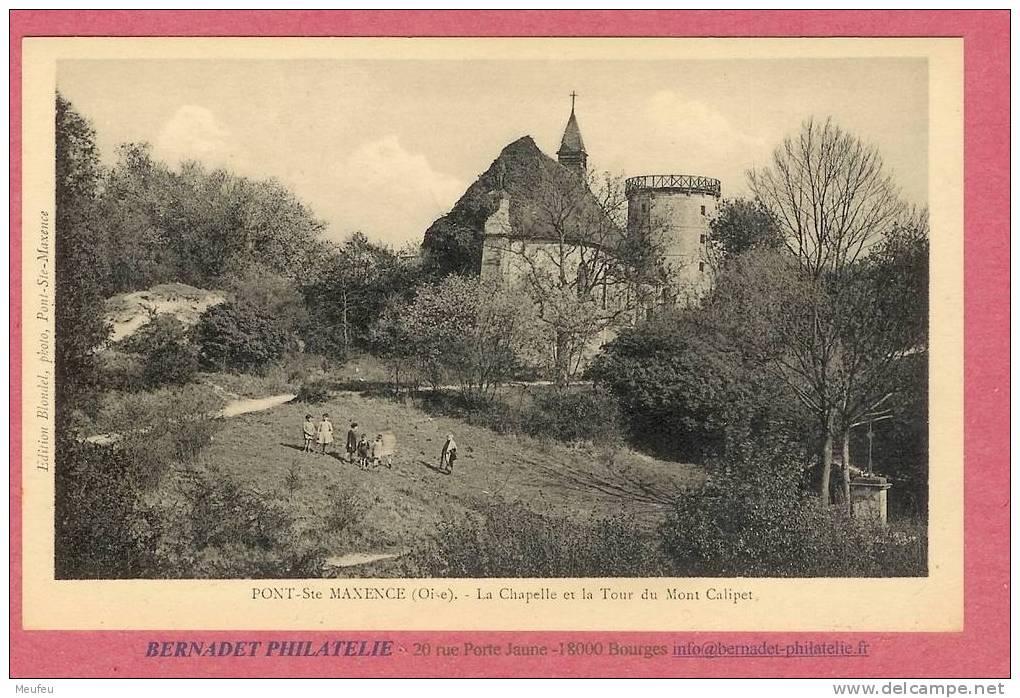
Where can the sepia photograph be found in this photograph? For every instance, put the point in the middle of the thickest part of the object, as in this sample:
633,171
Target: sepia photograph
491,318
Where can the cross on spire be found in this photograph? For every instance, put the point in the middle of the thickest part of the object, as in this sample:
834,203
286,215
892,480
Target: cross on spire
573,96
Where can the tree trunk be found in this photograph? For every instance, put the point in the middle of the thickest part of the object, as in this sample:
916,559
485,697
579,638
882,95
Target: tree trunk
562,359
846,471
343,323
827,458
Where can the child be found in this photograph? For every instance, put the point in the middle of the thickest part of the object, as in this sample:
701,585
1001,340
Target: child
379,454
363,451
325,433
449,455
308,430
352,441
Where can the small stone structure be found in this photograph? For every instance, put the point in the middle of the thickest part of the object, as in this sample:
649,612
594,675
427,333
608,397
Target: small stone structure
869,497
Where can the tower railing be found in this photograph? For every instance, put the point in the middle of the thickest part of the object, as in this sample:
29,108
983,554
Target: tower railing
688,184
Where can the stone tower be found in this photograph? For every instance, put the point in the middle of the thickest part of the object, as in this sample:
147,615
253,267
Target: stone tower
572,154
678,208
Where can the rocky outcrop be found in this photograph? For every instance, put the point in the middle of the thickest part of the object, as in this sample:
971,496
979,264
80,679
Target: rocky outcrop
128,312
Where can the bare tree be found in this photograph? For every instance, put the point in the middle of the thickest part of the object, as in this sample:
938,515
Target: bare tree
570,249
831,195
833,200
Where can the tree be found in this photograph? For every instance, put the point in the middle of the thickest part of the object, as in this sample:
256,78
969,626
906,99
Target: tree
741,225
198,226
79,308
834,201
831,195
885,323
239,337
582,270
467,330
350,289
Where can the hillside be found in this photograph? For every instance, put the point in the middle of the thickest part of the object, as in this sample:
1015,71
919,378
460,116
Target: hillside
402,507
533,181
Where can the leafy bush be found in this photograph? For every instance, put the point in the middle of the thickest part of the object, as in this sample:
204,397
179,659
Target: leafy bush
215,528
755,520
511,540
101,530
685,396
239,337
173,363
163,329
344,509
314,393
118,370
582,415
569,415
161,427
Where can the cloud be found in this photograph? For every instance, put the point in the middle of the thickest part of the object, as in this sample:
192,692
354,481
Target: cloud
699,138
194,133
389,193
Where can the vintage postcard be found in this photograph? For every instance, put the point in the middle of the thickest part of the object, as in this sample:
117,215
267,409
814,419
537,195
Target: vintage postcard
497,355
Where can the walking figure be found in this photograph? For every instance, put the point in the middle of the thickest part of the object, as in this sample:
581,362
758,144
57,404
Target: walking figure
325,433
449,455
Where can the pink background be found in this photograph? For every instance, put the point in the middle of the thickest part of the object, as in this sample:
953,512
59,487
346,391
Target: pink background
981,650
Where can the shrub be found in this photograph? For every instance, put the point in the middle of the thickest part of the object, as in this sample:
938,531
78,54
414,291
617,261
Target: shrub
685,396
344,509
511,540
173,363
239,337
101,530
315,392
161,427
754,520
119,370
219,529
583,415
163,329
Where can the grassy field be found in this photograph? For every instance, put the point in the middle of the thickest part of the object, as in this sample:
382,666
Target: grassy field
387,512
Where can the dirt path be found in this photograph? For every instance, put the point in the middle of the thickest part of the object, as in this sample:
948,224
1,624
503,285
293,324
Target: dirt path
258,404
234,408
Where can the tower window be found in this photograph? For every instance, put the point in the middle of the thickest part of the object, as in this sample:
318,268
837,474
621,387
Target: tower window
701,266
703,210
702,239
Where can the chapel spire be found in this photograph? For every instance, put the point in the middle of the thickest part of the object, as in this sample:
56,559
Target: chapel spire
572,154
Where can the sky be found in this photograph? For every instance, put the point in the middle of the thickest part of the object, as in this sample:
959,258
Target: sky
387,146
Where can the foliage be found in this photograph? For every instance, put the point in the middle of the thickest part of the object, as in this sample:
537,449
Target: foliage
120,371
348,292
172,363
575,415
163,329
467,331
216,528
101,531
161,426
568,415
272,293
512,540
755,520
344,509
237,336
198,226
685,394
314,393
741,225
78,311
